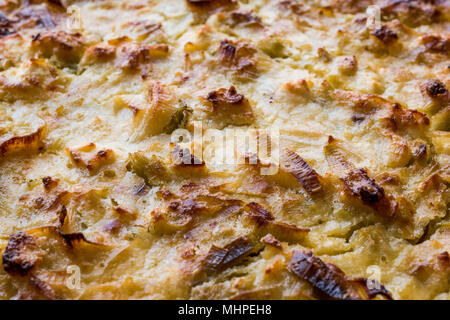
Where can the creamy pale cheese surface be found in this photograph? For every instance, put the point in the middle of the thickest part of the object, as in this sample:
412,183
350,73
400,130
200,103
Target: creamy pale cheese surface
95,205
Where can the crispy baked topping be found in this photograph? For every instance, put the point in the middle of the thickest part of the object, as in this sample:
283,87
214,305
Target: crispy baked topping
327,278
212,5
259,214
298,88
421,152
403,118
348,65
436,44
202,9
94,163
301,170
74,239
267,223
186,207
412,13
224,97
384,34
100,52
238,56
20,256
65,46
351,6
34,79
330,280
27,143
246,19
131,57
44,290
283,75
396,117
219,259
230,107
270,240
363,187
292,5
435,89
49,183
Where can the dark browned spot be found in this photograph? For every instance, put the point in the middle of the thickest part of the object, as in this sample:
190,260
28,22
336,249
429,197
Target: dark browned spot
436,44
384,34
19,258
301,170
132,56
358,117
112,226
363,187
5,26
348,65
266,224
331,281
224,96
72,239
258,213
357,182
67,47
62,216
237,56
404,118
165,194
184,158
421,152
246,19
219,259
49,183
444,258
185,208
435,89
270,240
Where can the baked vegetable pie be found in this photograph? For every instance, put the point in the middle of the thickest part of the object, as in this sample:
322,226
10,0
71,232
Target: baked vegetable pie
114,114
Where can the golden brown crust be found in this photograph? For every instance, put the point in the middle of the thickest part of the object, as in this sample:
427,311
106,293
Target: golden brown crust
301,170
112,118
26,143
230,106
19,258
330,280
